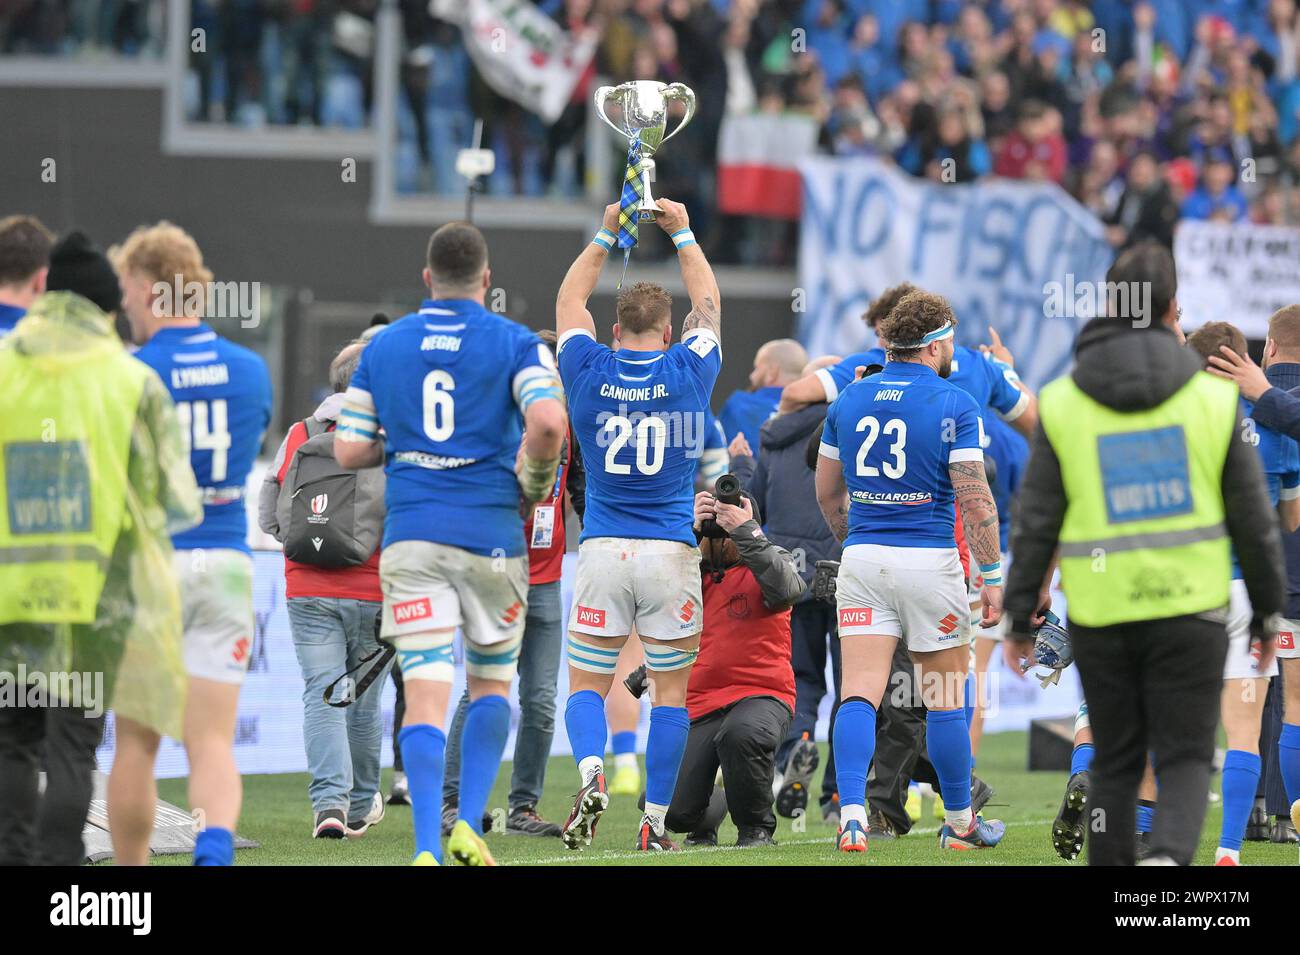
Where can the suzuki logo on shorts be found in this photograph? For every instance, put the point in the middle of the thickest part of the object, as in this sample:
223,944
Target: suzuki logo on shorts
240,653
1285,640
511,614
855,616
948,624
410,610
687,611
319,503
590,617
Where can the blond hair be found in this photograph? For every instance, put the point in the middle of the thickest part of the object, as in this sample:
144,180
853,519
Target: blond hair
163,252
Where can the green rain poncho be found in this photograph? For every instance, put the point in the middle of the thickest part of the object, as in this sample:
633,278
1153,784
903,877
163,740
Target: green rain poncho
93,479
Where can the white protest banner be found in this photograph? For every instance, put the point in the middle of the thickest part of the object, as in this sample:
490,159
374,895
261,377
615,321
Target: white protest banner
521,52
1022,257
1236,272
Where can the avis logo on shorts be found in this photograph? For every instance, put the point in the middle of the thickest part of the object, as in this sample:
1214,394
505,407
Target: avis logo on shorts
855,616
410,610
1285,640
591,617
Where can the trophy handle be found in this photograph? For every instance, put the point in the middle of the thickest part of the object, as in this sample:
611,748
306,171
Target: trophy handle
683,93
602,94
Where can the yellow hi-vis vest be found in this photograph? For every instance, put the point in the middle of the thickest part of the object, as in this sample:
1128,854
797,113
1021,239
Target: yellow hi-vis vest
65,438
1143,536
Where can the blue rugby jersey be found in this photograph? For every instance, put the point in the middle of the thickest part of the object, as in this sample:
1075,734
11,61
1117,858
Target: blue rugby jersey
894,434
972,371
448,385
641,418
1279,457
223,399
1010,452
747,410
9,316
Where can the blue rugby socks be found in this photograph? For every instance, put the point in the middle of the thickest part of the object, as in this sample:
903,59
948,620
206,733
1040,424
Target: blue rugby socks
948,742
1288,757
214,846
1240,779
1081,758
624,745
669,727
584,718
483,740
1146,815
423,747
854,744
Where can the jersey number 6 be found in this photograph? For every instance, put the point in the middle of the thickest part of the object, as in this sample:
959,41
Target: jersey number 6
439,406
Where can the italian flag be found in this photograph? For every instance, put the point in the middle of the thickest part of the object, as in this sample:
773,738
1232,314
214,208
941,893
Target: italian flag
758,163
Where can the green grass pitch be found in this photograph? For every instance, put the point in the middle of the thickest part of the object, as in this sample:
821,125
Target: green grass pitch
277,814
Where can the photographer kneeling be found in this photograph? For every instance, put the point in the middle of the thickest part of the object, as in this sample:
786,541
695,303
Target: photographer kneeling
740,697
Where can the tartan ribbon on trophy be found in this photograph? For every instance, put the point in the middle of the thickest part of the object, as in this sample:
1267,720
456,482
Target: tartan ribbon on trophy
629,202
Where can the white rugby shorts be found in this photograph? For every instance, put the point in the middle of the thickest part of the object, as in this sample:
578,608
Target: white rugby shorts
216,587
917,594
1242,662
652,586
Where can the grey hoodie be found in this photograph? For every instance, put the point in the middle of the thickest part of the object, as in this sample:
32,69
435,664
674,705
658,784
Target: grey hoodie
1132,369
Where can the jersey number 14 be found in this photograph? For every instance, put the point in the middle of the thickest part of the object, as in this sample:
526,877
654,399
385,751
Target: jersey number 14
204,427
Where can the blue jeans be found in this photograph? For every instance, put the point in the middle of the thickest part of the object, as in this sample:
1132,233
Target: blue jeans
331,635
539,668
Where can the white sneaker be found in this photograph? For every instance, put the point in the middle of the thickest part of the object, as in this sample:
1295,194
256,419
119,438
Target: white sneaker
375,816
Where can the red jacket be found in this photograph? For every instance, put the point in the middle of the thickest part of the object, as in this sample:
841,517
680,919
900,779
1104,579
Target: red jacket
744,649
1017,153
545,563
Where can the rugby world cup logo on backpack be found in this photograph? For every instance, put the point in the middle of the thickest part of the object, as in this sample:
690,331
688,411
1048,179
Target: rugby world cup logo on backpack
319,504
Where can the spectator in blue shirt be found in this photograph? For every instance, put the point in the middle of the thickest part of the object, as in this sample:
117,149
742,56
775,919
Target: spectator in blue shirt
1216,198
948,152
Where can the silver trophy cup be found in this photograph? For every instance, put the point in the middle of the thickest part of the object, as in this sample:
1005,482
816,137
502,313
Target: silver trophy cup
644,109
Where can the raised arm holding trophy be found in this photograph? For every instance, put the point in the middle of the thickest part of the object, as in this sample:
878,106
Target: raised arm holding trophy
644,121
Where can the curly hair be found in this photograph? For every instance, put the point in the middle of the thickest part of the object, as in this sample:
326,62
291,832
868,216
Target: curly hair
884,303
915,316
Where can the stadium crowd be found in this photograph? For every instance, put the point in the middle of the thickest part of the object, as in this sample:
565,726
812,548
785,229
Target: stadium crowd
1146,112
404,526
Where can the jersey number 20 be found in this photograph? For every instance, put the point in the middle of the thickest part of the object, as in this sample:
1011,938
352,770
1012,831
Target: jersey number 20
896,427
651,439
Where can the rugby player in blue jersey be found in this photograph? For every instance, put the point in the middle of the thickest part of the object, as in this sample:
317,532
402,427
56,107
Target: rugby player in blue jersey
441,398
897,448
638,414
223,399
985,378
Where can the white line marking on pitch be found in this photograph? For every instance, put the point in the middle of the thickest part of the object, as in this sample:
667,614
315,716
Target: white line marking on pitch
583,856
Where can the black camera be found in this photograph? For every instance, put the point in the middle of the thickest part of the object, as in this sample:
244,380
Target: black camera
727,490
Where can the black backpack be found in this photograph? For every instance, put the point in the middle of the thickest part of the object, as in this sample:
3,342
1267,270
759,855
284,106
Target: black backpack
328,516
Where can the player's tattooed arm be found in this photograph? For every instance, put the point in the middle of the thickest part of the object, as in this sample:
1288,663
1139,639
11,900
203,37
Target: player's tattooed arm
697,274
978,510
832,496
704,315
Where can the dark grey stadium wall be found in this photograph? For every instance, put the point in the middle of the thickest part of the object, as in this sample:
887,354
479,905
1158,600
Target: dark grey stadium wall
288,223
